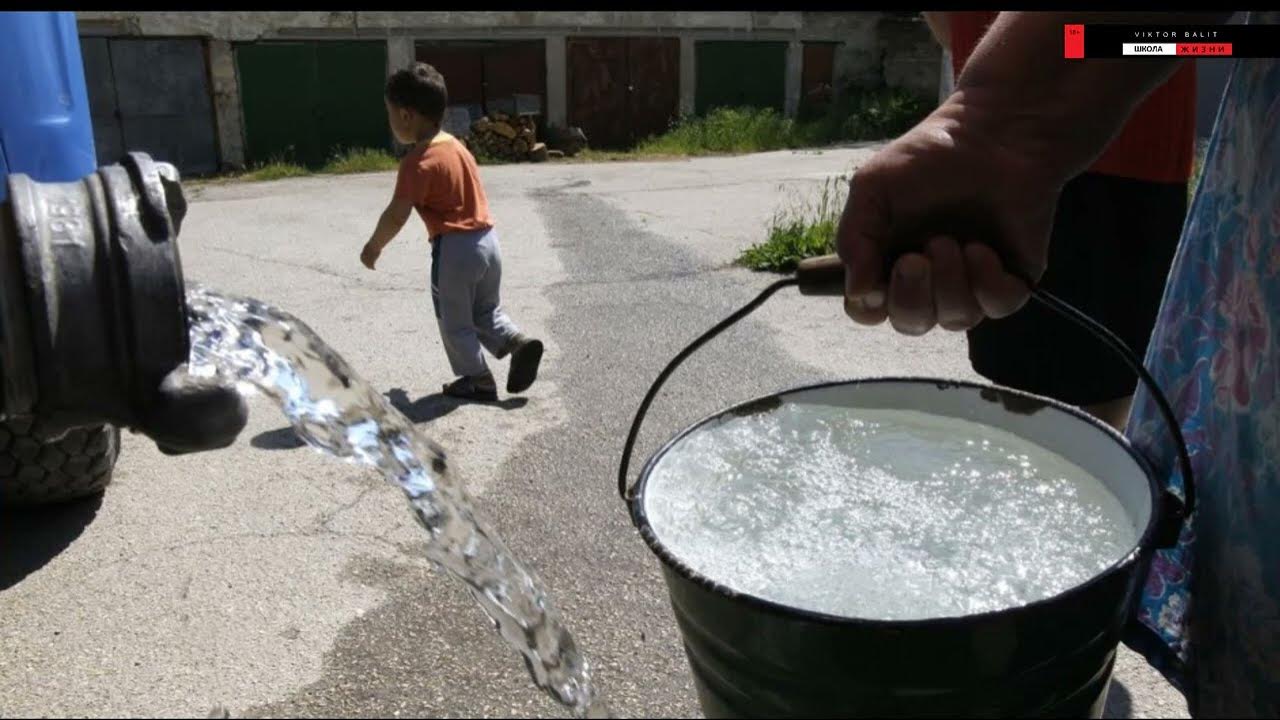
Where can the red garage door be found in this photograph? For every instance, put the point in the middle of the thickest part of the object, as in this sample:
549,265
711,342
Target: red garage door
815,79
622,90
488,75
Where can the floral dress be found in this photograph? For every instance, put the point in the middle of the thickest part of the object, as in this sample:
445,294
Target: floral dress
1209,617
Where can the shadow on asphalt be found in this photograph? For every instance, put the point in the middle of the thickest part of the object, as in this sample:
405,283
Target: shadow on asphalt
31,537
283,439
437,405
1119,702
423,410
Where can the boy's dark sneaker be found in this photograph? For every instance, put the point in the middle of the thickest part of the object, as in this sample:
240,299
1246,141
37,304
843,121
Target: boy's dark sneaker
526,355
482,388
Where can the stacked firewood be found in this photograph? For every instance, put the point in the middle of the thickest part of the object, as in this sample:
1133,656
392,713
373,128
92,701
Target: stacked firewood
505,137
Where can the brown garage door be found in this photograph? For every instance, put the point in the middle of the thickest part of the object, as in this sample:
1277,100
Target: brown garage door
486,75
516,68
598,90
622,90
815,77
462,68
655,81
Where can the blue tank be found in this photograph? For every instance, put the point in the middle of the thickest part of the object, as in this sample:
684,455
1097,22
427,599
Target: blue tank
45,128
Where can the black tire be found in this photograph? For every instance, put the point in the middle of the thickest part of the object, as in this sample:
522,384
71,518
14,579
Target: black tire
35,470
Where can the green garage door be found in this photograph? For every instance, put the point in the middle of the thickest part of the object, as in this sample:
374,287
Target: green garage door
303,101
734,73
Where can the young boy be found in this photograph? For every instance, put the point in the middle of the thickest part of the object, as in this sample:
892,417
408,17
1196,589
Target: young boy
438,177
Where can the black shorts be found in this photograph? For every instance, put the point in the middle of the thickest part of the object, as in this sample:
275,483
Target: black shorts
1112,245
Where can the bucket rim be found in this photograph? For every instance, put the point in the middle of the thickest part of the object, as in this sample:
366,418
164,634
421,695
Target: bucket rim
1124,564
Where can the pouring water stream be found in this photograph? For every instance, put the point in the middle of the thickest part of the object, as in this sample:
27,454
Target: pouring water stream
335,411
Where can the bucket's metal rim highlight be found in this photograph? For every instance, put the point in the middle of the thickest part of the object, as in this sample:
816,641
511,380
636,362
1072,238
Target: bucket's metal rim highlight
1145,541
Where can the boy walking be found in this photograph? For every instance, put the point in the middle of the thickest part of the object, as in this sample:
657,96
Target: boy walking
438,177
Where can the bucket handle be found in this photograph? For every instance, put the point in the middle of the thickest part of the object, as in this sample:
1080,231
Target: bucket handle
825,276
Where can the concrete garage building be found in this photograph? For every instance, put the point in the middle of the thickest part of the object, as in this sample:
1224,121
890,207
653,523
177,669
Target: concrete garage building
220,90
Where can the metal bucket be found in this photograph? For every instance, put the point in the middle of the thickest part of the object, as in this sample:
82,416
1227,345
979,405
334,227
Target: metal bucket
1051,658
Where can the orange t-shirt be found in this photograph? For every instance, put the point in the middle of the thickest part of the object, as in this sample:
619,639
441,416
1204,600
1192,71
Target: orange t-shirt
1156,144
443,183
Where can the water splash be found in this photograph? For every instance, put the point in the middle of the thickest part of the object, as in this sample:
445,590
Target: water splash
335,411
882,514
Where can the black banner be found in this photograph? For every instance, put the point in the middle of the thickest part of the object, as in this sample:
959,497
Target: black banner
1133,41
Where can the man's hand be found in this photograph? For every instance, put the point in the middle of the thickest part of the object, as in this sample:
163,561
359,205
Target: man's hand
951,221
369,255
946,224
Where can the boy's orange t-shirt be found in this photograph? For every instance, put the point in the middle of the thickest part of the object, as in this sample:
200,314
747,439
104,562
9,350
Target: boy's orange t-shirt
1156,145
443,183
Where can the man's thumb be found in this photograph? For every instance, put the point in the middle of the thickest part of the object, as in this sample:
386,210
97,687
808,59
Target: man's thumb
859,237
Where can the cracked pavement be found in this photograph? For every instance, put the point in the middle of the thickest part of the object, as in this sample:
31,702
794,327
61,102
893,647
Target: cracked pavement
273,581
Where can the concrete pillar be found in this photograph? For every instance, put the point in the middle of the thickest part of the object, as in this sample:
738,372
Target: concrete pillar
557,81
227,110
688,75
947,80
400,53
795,67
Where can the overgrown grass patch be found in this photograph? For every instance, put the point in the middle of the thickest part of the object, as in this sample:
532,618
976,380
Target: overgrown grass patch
805,228
866,115
360,160
725,130
274,170
871,115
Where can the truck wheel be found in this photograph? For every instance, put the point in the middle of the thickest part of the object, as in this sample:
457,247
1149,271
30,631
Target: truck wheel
37,470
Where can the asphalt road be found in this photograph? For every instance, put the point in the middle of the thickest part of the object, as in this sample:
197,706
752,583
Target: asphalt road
275,582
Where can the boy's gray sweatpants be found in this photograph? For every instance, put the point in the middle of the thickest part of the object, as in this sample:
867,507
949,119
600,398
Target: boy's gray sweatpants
466,272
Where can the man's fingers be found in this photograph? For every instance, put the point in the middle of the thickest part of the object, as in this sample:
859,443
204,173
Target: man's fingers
952,297
998,293
859,239
856,308
911,304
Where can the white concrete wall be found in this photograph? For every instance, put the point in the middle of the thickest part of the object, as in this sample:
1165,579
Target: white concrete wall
400,53
688,74
794,72
647,21
227,110
946,77
234,26
557,81
871,53
242,26
911,56
857,60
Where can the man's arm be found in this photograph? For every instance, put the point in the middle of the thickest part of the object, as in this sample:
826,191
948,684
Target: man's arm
1067,111
389,224
941,29
965,200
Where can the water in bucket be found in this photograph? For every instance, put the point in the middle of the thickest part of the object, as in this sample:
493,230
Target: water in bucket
261,347
881,514
901,547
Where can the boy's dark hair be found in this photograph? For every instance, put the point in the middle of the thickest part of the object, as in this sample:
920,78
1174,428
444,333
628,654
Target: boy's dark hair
421,88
